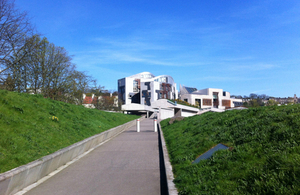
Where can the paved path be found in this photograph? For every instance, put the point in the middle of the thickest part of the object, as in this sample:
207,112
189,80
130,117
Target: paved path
126,165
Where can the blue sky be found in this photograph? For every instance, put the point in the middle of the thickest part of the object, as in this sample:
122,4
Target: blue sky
240,46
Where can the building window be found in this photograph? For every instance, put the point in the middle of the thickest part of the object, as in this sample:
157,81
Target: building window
135,86
236,104
215,95
121,94
160,96
165,89
198,102
207,102
186,100
226,103
224,93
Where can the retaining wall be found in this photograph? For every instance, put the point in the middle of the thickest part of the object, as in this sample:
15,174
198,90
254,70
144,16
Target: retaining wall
16,179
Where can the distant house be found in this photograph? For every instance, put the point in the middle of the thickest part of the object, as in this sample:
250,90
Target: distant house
288,100
209,98
90,101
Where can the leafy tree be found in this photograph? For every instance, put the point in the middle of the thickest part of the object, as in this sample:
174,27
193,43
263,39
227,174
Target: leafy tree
253,96
77,84
105,99
272,103
263,96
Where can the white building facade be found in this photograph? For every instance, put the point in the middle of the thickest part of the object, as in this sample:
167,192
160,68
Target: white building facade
145,88
209,98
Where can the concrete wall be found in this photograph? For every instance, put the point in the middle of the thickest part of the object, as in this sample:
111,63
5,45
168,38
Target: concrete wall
16,179
166,113
186,113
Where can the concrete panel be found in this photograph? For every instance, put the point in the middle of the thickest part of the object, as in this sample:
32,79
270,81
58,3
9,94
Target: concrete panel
69,154
104,136
4,183
17,181
76,150
187,114
65,157
79,150
121,128
45,167
101,138
166,113
109,134
86,146
60,162
93,142
117,131
54,163
33,173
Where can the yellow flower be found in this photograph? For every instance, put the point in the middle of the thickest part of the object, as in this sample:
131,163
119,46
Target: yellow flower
54,118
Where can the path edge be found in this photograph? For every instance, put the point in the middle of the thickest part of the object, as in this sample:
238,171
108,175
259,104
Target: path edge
169,177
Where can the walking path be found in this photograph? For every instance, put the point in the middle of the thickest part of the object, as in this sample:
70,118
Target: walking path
126,165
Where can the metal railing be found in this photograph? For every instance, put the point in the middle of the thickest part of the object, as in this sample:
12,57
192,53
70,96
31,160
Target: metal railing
173,103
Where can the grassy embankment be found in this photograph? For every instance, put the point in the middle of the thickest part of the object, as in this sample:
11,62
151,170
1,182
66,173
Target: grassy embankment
32,126
265,158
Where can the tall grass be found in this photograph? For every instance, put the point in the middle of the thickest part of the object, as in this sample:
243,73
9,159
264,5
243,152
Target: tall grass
265,158
32,126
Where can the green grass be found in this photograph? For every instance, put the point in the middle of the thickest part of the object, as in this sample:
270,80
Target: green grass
178,101
265,158
32,126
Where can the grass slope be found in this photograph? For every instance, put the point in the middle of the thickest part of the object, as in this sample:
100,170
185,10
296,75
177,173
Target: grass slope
265,158
32,126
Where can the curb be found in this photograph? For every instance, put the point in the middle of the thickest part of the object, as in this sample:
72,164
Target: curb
172,190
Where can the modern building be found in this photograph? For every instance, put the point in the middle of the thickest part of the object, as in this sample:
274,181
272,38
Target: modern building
209,98
146,93
145,88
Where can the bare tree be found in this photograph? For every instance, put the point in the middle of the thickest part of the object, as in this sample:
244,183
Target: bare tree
14,26
30,63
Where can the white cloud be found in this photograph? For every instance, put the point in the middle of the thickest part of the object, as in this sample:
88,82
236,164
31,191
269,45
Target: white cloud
130,43
253,67
261,91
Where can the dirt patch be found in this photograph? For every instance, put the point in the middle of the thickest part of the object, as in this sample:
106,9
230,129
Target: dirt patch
177,118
